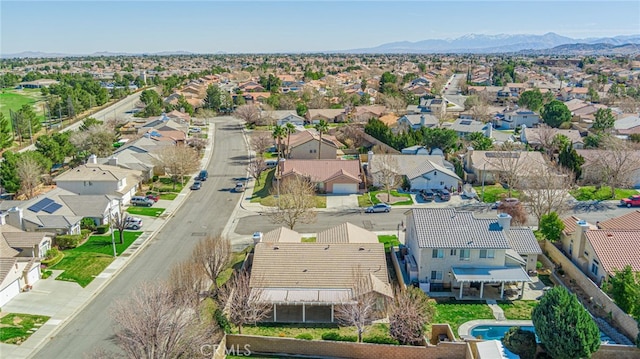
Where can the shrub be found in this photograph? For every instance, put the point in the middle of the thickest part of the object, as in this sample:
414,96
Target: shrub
88,223
335,336
539,265
69,240
103,228
380,339
521,342
46,274
304,336
222,321
52,253
52,261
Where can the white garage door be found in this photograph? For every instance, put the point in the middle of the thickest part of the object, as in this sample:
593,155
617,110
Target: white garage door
34,275
9,292
344,188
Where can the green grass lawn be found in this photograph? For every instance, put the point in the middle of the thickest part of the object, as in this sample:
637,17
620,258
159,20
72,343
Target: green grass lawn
11,99
370,198
262,192
494,193
388,240
16,328
146,211
519,309
83,263
456,313
316,330
588,193
165,184
237,259
308,240
168,196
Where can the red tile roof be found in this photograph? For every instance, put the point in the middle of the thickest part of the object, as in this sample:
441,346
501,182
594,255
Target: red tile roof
616,249
629,221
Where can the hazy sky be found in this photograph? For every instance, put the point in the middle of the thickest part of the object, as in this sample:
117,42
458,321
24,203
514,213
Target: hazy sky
209,26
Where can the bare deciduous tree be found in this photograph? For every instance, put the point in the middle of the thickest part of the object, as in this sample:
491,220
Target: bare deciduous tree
509,167
480,112
548,190
361,310
256,167
617,162
243,304
261,142
188,282
178,161
387,173
409,312
212,254
295,201
249,113
352,135
516,210
394,103
119,221
198,143
151,324
545,135
29,172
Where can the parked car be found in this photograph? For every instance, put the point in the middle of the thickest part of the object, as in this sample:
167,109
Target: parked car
257,237
270,163
134,223
195,130
632,201
196,185
508,201
428,195
202,176
154,197
239,187
380,207
141,201
445,195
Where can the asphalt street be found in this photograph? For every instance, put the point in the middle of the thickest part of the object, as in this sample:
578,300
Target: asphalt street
205,212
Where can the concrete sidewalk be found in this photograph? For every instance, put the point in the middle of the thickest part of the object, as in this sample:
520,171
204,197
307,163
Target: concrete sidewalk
62,300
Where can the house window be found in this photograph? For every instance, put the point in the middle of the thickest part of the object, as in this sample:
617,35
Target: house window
436,275
441,183
487,253
435,173
594,268
465,254
437,253
453,252
570,248
586,254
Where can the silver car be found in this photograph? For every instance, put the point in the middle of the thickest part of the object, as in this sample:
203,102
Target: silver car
380,207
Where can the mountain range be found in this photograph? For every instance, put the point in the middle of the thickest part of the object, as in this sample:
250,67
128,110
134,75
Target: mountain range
486,44
547,44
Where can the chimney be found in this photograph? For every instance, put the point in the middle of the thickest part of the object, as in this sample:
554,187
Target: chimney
580,238
3,219
14,217
113,161
369,156
467,160
423,121
93,159
523,129
504,221
488,130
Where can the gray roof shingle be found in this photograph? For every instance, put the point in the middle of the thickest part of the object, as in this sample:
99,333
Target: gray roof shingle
523,241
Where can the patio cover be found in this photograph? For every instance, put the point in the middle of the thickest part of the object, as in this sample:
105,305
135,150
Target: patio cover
490,349
490,274
298,296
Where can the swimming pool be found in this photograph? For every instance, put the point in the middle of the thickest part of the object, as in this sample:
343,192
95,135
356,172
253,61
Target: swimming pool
497,332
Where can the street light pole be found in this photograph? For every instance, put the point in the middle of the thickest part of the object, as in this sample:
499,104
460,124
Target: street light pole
113,241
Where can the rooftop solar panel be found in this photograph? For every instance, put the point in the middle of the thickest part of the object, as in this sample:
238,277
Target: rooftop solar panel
52,207
38,206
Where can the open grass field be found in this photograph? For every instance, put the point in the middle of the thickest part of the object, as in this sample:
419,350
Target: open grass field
16,328
12,100
83,263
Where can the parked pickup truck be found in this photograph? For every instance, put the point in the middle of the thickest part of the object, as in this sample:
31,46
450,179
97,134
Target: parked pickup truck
631,201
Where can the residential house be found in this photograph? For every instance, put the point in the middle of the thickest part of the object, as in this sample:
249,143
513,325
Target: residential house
139,155
305,281
292,119
628,221
627,125
435,106
328,114
422,172
365,113
516,118
570,93
17,275
417,121
599,253
593,171
538,137
305,144
464,127
490,167
93,178
329,176
25,244
455,250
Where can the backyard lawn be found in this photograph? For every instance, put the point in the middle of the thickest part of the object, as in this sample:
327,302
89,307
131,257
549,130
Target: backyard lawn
519,309
494,193
145,211
456,313
589,193
388,240
16,328
236,262
83,263
316,330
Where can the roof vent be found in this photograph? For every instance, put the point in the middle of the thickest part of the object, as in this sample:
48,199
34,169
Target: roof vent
326,248
582,222
361,249
304,271
276,248
609,235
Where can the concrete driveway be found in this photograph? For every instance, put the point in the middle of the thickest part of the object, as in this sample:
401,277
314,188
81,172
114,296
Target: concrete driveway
342,201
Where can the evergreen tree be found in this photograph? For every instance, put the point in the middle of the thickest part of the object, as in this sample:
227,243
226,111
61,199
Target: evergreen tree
551,226
6,135
564,326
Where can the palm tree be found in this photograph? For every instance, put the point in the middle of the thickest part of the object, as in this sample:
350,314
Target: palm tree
321,127
289,129
278,134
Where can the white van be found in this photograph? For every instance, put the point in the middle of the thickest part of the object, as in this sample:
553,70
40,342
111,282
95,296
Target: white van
271,163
